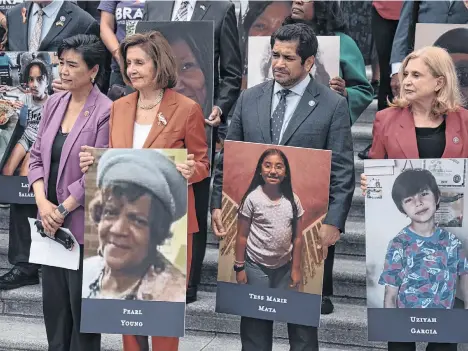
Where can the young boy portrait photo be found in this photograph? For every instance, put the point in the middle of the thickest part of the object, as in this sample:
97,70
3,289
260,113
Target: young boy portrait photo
423,261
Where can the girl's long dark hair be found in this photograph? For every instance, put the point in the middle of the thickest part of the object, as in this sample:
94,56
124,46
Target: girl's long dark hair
285,186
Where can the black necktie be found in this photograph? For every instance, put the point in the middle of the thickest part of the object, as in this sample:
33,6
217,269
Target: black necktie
278,117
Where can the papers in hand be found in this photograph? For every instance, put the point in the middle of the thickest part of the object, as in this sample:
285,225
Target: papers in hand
50,253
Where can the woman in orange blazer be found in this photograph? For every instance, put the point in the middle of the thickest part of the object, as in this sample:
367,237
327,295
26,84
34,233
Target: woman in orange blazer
155,116
425,121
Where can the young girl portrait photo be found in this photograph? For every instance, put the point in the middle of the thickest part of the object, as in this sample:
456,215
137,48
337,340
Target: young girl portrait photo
268,243
272,213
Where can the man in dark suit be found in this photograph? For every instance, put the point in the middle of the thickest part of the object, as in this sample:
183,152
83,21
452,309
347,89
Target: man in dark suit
227,84
27,31
41,25
311,116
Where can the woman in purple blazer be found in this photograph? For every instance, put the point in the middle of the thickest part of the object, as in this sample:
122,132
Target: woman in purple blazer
79,116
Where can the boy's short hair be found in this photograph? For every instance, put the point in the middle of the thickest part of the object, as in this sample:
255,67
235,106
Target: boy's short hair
413,181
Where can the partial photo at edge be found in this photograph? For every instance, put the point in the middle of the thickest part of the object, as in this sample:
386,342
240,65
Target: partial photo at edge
25,85
416,255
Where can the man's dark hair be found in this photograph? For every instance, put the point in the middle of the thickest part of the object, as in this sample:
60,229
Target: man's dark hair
302,34
91,49
412,182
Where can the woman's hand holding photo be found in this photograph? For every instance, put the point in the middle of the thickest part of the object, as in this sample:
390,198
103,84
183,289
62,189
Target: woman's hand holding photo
363,184
241,277
217,223
214,119
338,84
296,277
188,168
86,158
328,235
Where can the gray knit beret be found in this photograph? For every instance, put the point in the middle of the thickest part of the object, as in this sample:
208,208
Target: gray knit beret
150,169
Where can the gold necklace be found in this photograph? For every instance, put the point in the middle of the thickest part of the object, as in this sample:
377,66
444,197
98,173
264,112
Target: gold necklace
151,106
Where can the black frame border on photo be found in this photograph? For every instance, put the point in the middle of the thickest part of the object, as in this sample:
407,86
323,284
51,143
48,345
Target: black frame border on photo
164,26
245,300
403,324
157,318
15,190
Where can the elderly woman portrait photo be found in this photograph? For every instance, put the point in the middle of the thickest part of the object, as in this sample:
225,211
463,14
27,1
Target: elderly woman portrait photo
140,195
156,116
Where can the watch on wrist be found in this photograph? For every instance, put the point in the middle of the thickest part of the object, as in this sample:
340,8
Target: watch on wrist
239,268
62,210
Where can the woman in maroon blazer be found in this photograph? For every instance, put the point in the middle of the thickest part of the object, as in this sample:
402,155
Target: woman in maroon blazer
425,121
70,119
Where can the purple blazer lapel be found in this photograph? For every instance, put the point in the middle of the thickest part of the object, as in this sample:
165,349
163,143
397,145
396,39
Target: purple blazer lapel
81,121
56,112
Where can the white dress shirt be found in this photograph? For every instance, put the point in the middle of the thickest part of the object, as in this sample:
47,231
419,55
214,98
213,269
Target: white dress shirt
292,100
140,134
48,20
190,9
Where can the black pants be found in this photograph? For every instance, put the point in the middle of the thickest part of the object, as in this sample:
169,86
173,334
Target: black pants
61,294
411,346
257,335
201,192
384,32
20,237
327,288
202,196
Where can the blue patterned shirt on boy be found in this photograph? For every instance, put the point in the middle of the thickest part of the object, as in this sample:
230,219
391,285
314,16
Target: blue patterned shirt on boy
425,269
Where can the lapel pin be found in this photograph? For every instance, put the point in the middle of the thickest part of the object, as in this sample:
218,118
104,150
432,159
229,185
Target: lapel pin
203,7
86,113
62,18
311,103
161,119
59,24
23,14
456,140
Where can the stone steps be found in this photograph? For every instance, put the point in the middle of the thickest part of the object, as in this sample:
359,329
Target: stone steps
13,337
346,326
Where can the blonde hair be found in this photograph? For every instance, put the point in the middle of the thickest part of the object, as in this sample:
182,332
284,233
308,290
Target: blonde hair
440,64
